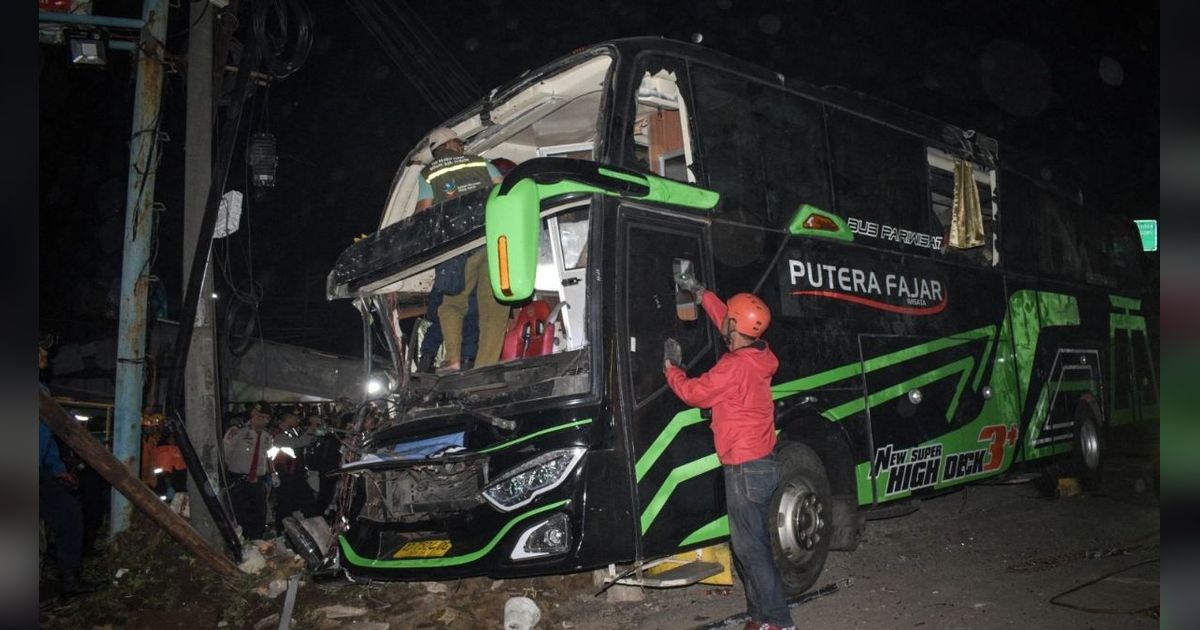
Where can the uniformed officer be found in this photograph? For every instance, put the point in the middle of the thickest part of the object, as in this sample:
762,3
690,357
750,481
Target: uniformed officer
250,470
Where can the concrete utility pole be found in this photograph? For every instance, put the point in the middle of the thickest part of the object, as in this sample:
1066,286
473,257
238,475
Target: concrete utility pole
135,271
202,396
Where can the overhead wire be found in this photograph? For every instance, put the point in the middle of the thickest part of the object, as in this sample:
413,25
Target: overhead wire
438,62
466,87
413,48
373,20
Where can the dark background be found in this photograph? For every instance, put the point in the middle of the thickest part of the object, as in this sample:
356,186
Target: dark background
1074,83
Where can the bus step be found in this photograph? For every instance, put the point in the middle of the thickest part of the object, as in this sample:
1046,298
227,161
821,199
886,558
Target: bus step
682,575
892,509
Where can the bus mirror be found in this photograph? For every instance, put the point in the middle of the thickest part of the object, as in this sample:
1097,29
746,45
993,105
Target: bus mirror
685,300
685,306
513,226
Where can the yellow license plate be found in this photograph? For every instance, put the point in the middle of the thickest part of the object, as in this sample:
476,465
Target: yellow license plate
423,549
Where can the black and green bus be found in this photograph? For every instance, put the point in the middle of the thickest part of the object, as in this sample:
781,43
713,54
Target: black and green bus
912,361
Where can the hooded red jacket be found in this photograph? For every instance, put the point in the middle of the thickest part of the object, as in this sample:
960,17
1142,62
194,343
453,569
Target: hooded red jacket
738,390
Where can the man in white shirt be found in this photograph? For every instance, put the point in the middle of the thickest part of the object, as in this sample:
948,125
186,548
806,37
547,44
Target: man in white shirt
250,470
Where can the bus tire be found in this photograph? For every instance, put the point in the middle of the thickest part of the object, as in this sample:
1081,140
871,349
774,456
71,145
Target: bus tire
1087,458
801,517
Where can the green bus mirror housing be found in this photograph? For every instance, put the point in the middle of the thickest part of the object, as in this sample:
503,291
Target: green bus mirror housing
513,216
513,225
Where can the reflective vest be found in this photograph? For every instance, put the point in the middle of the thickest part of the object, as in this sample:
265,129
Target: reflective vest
452,176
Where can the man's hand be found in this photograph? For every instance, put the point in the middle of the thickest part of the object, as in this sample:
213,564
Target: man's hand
672,353
687,282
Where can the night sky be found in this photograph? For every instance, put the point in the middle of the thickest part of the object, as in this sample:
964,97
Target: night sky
1076,83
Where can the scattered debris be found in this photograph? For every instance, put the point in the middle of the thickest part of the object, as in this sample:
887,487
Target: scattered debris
372,625
267,622
435,587
618,593
252,560
272,589
120,573
338,611
521,613
828,589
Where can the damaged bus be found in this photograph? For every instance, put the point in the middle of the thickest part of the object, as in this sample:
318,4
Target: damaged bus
931,332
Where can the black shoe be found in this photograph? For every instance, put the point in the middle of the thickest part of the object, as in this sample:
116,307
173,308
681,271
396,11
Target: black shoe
73,584
425,364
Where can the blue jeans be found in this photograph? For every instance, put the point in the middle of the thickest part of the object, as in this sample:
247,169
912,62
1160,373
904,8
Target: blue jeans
748,490
433,335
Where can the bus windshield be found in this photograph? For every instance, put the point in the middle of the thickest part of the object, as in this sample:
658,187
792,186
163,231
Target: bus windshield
556,113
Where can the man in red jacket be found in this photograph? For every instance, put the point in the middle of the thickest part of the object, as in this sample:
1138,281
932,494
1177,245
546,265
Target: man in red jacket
738,390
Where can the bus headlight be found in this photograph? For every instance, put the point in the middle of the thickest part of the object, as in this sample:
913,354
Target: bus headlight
520,484
549,537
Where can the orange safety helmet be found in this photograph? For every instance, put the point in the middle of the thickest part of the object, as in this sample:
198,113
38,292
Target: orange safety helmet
750,314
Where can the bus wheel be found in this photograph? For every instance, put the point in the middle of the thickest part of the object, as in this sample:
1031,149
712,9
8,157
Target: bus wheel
1089,446
801,513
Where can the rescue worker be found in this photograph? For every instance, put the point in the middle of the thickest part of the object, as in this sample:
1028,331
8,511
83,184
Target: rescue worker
738,390
246,449
452,173
170,472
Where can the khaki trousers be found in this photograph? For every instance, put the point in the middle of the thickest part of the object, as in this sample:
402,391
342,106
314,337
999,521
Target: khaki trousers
493,314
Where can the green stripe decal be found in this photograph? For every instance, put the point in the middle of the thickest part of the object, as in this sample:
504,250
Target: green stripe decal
885,394
683,419
963,367
716,529
983,362
524,438
1129,304
677,476
426,563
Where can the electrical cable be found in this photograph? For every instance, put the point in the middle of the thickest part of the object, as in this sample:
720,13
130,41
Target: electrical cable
1150,611
452,83
288,14
374,23
189,27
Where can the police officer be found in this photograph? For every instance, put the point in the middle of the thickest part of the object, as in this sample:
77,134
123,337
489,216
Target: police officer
454,172
250,470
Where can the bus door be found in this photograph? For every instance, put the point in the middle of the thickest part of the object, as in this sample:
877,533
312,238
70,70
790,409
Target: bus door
679,491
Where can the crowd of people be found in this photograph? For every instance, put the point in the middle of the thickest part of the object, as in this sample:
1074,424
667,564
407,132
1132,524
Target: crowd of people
277,462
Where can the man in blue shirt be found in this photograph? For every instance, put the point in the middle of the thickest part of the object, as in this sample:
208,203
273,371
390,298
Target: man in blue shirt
60,509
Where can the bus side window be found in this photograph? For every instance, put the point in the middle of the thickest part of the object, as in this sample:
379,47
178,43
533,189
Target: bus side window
941,200
650,304
764,148
878,179
1058,254
661,143
1021,242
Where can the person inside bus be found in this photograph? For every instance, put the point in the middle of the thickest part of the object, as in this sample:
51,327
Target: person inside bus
738,390
454,172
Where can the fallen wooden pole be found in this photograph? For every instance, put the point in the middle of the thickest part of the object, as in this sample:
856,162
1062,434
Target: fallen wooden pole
109,467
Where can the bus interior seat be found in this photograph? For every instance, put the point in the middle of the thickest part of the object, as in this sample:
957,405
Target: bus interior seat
531,333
